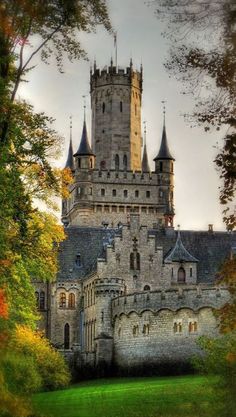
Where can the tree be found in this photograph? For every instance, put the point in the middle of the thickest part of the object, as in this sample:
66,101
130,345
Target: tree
203,57
46,27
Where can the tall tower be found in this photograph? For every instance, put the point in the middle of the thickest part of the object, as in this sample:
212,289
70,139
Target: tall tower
116,97
164,167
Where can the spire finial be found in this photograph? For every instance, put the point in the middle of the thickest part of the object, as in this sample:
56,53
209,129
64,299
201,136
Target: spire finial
145,131
164,111
71,127
84,98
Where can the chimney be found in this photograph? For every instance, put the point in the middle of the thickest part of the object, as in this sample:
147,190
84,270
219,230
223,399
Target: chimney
210,228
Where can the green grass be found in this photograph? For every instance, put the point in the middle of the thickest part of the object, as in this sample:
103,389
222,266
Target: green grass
185,396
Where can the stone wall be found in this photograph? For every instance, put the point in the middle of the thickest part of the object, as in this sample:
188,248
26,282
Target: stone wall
162,326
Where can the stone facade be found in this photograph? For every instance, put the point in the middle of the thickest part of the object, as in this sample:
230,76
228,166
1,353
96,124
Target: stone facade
131,290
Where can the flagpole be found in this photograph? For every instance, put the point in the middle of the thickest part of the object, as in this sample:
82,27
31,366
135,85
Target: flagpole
115,45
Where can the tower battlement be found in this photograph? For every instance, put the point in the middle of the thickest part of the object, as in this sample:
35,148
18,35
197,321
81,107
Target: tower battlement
115,75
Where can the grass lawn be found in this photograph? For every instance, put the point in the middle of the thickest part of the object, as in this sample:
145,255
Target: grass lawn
185,396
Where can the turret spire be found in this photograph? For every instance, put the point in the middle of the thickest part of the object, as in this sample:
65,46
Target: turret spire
84,147
145,163
164,152
70,160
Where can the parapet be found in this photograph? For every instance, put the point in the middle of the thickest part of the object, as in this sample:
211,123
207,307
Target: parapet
115,75
191,297
112,287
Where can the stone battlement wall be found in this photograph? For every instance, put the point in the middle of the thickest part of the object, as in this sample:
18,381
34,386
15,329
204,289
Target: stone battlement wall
174,299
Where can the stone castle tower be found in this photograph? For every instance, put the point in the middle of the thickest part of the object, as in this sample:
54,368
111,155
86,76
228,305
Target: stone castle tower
113,179
130,290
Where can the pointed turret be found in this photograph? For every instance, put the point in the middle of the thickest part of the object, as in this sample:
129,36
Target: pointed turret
84,147
70,159
145,163
179,253
164,152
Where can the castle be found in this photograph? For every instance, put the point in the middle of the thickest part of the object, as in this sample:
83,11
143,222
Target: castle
131,290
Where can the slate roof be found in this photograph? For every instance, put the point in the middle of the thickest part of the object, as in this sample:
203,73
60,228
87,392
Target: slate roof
70,160
164,152
145,163
84,147
89,243
210,249
179,253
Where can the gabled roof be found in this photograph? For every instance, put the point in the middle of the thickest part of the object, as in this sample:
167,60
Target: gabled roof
70,160
84,147
179,253
145,163
164,152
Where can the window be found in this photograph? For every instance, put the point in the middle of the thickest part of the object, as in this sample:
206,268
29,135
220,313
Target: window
138,260
135,109
135,260
71,300
148,194
191,272
119,332
78,259
151,210
146,329
125,162
79,163
132,260
135,330
121,106
62,300
37,298
146,288
177,326
192,326
90,191
136,193
67,336
103,165
172,272
99,208
181,275
106,209
114,209
102,192
121,209
91,163
117,162
103,107
114,193
125,193
42,300
161,166
144,209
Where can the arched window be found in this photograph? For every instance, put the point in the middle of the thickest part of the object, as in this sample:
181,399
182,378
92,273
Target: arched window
146,288
78,259
62,302
146,329
138,260
37,298
132,260
125,162
103,165
117,162
103,107
135,330
42,300
181,275
71,300
67,336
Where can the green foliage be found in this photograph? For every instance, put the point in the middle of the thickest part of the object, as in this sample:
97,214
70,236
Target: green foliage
220,359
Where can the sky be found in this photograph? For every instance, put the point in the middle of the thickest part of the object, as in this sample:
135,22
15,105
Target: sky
138,37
